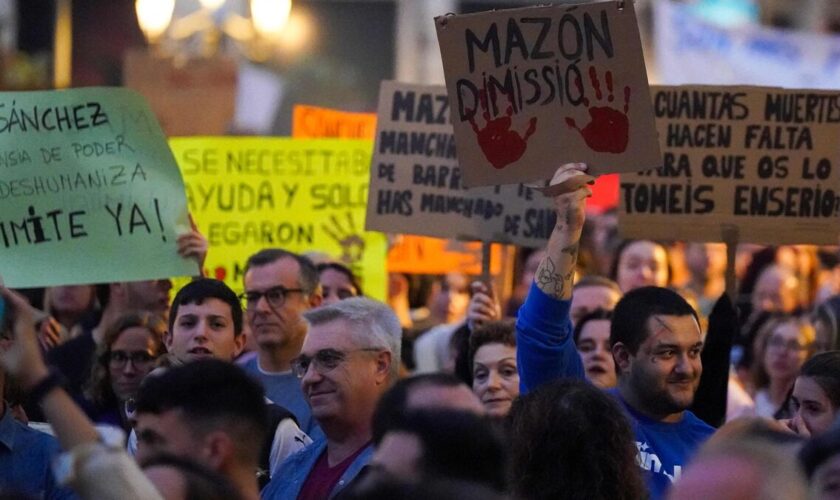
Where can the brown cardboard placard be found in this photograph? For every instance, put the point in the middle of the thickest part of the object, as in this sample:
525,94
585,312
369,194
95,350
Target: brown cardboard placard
195,99
537,87
416,184
763,160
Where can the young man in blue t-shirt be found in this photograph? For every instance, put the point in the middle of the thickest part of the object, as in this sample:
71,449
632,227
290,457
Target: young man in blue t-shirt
655,338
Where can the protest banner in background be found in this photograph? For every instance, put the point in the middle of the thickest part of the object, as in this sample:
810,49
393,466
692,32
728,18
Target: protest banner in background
533,88
251,193
416,185
423,255
312,122
687,46
89,191
197,98
408,253
764,160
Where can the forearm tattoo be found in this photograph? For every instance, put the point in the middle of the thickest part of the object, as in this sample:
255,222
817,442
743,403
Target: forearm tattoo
572,250
549,279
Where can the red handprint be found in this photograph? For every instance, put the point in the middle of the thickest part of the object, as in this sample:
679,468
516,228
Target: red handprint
501,146
609,129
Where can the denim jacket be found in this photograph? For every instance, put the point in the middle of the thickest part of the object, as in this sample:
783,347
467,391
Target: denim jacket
287,482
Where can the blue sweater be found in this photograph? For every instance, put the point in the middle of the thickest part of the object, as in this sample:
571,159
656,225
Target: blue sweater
546,351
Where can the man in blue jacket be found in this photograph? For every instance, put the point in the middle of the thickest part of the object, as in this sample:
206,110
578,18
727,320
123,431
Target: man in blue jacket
349,358
655,338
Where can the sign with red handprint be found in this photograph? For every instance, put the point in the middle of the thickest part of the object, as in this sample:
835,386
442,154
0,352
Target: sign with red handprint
537,87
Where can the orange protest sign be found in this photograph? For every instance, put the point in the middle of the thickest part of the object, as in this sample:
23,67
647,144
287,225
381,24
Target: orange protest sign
421,255
312,122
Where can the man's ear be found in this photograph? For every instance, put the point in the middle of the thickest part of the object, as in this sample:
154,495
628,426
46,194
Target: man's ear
167,340
622,356
384,360
219,450
239,341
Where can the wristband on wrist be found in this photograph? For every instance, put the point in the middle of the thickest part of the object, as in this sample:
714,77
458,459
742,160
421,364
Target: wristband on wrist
53,380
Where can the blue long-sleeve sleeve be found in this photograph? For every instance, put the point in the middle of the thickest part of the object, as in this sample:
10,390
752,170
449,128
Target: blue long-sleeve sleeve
545,349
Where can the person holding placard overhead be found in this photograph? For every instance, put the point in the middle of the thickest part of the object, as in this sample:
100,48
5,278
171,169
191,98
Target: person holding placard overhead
655,338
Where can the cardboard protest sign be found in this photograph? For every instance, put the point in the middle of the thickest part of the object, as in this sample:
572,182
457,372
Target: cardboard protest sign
537,87
421,255
408,254
416,183
251,193
312,122
89,191
762,160
197,98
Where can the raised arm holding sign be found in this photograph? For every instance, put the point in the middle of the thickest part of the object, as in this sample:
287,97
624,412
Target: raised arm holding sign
655,338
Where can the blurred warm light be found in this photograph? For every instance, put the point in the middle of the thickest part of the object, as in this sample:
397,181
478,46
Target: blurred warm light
154,16
270,16
212,4
269,29
297,33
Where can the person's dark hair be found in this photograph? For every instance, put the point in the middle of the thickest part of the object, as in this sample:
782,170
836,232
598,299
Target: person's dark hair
493,332
624,245
571,440
341,268
308,276
99,389
824,369
829,313
197,291
200,482
596,280
631,314
456,445
758,262
390,410
597,314
819,450
213,395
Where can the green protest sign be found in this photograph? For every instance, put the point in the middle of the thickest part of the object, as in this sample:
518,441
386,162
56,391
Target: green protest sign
89,190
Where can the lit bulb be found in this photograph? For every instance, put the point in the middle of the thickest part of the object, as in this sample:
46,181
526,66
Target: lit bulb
154,16
212,4
270,16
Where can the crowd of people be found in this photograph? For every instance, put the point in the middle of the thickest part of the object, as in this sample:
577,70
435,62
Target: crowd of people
616,370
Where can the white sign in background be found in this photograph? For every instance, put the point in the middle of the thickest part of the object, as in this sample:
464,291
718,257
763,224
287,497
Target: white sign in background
690,50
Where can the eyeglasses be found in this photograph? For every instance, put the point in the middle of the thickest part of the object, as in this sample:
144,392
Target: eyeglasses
276,296
137,358
324,360
789,345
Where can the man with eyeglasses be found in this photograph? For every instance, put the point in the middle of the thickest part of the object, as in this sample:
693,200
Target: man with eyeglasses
350,357
279,287
205,322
